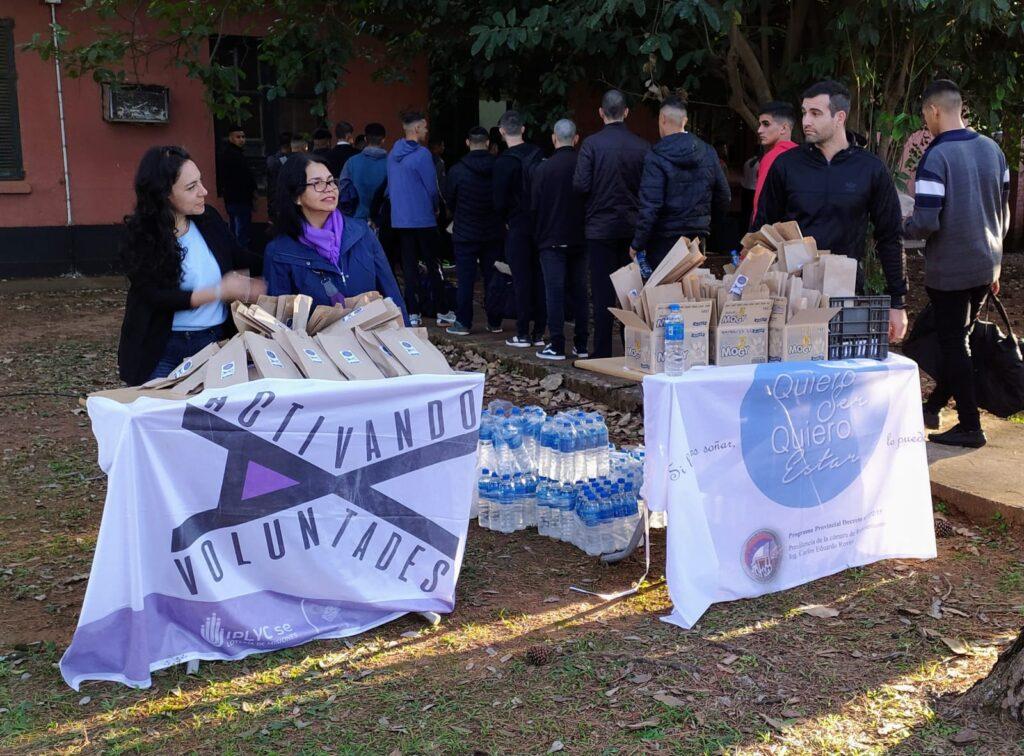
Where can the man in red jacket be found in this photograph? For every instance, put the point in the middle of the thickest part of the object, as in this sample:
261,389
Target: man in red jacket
775,123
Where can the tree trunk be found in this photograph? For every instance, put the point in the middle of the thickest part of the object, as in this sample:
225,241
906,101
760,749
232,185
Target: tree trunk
1002,692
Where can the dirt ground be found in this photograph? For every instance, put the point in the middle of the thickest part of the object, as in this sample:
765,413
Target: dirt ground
754,676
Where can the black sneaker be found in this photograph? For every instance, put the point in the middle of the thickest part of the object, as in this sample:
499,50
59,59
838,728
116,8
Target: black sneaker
494,328
518,342
958,436
538,340
457,329
549,353
580,354
931,419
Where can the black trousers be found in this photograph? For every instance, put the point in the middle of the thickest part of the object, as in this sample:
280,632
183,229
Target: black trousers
605,256
565,274
420,244
467,256
954,313
527,280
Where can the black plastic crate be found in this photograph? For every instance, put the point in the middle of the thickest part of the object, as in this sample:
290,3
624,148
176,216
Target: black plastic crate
860,328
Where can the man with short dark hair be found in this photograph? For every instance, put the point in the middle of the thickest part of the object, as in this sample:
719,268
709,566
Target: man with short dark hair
833,189
513,171
683,189
236,184
608,176
368,169
775,123
412,187
477,231
274,163
962,211
558,228
340,153
322,145
299,144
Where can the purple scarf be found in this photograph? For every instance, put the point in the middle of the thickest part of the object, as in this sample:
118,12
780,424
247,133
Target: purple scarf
327,240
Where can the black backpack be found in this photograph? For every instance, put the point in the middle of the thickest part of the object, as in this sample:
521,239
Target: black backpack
996,357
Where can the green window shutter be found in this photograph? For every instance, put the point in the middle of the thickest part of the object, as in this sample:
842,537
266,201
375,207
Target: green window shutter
11,168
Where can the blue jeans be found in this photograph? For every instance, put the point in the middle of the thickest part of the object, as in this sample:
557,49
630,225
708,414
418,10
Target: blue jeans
240,220
565,274
184,344
467,255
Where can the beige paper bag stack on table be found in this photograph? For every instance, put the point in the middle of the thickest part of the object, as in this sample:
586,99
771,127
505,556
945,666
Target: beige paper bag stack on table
286,338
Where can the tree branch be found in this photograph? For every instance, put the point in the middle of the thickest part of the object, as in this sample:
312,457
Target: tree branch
755,74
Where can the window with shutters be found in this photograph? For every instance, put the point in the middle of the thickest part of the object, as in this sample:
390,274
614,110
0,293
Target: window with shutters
10,130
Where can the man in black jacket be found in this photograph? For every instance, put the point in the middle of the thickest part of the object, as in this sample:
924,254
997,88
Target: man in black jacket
339,154
683,189
476,230
832,189
608,175
235,183
512,174
558,229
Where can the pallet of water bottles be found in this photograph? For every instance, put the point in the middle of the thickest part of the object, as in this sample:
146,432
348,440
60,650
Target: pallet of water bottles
558,474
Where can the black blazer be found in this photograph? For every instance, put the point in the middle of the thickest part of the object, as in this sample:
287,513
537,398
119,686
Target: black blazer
150,306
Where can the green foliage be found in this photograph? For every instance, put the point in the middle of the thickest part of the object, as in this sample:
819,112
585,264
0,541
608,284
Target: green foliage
535,53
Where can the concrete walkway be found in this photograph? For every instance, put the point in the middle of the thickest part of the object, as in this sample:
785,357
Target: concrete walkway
982,483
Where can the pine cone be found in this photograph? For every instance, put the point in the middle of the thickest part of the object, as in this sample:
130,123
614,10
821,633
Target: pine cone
943,529
538,656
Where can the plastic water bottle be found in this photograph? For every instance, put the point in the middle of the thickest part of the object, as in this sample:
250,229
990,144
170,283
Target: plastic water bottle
601,451
488,491
504,504
735,258
485,458
521,493
548,449
567,513
590,524
543,507
675,360
528,503
645,267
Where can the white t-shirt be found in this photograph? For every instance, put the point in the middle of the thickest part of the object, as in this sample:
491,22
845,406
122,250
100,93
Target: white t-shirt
199,270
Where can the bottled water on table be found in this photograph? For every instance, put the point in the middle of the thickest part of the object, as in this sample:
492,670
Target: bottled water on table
675,360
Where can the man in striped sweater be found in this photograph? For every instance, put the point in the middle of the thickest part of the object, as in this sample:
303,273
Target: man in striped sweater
962,211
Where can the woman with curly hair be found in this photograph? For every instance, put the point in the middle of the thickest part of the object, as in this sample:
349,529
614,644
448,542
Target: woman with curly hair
180,260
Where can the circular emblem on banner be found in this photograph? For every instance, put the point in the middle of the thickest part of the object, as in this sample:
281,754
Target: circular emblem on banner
807,432
762,554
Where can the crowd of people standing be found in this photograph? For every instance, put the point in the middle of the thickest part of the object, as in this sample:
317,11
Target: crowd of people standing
561,223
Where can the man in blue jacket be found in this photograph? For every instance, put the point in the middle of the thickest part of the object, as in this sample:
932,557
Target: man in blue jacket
367,170
683,189
412,187
476,231
608,175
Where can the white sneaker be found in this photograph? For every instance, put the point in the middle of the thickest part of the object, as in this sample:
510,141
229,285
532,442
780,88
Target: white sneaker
519,343
445,318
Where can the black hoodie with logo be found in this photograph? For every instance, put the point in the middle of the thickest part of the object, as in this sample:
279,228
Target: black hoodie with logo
682,190
469,198
833,202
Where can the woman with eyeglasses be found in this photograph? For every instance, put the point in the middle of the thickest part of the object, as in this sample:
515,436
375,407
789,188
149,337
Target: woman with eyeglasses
182,263
320,250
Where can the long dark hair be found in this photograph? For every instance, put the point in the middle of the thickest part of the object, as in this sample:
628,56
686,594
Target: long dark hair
150,248
291,183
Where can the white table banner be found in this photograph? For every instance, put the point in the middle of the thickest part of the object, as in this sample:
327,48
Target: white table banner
268,514
775,475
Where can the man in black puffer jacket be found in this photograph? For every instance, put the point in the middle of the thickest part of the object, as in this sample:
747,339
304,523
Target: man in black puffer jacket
683,189
477,232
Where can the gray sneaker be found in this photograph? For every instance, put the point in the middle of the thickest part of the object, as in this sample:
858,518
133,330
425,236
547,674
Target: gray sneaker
457,329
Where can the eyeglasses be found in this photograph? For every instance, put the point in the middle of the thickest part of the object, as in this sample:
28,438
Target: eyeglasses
322,185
